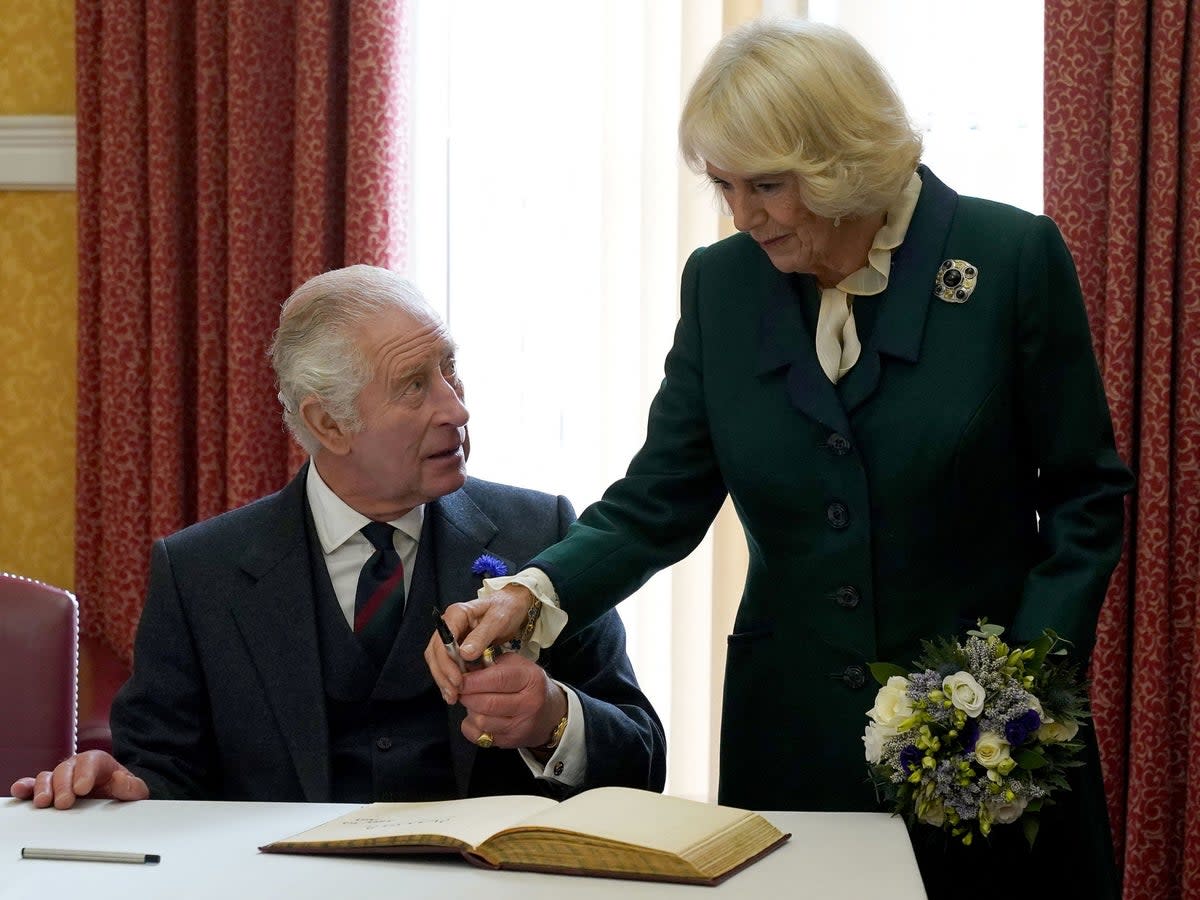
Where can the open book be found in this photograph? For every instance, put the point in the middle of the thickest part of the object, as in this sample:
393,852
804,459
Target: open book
614,832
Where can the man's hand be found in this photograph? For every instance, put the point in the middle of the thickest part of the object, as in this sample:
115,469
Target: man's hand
486,621
514,701
91,774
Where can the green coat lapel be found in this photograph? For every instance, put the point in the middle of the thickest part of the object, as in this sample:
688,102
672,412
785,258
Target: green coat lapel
785,341
904,305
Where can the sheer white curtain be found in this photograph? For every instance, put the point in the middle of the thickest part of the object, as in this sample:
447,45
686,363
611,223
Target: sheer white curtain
970,74
551,219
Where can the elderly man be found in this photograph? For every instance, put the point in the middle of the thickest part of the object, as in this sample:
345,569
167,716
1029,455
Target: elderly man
279,654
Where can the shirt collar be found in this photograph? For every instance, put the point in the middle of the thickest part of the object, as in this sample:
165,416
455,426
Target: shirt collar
336,522
873,277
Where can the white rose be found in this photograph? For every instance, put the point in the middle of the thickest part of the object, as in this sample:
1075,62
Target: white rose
1005,812
1052,731
991,749
933,813
964,692
874,737
892,705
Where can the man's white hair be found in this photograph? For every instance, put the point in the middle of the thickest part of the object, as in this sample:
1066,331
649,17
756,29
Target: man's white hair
316,349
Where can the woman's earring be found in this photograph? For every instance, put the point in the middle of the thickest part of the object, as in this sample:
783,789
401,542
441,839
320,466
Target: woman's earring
837,222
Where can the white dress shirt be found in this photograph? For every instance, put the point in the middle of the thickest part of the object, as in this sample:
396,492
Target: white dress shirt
346,549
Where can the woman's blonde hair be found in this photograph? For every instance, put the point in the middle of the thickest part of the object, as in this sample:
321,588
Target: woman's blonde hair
783,96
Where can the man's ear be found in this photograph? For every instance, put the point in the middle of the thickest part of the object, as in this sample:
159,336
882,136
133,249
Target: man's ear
324,427
462,396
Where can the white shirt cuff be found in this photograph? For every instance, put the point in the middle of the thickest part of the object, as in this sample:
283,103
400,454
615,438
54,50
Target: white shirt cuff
553,619
568,764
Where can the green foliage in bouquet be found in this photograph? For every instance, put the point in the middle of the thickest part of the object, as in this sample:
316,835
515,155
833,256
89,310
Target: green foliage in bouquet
979,734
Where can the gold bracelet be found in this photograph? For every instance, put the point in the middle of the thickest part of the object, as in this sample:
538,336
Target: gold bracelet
556,735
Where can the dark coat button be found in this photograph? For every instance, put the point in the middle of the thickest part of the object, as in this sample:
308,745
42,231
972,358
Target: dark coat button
837,515
384,744
838,443
847,596
855,677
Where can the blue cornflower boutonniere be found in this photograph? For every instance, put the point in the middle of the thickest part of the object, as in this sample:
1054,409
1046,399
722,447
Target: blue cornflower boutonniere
489,566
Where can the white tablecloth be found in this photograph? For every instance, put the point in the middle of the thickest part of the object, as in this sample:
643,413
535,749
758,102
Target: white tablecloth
210,850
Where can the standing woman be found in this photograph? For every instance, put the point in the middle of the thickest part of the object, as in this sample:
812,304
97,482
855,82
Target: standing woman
896,386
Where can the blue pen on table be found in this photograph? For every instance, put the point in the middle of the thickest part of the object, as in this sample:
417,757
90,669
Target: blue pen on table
110,856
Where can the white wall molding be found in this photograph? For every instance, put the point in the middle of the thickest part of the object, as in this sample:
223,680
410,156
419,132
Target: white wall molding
37,153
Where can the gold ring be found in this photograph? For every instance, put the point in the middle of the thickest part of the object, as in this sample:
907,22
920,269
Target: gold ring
484,740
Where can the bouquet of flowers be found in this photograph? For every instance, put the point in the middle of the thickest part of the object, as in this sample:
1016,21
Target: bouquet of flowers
979,735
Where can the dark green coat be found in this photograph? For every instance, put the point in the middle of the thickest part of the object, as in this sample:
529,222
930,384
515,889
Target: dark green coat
899,505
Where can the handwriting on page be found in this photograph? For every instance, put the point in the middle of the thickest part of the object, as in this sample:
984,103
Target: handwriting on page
391,823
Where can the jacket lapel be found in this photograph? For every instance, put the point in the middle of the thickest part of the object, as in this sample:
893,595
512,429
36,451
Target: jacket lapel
461,531
904,305
277,619
785,341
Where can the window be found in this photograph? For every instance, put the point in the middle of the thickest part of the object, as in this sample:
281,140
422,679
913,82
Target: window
970,74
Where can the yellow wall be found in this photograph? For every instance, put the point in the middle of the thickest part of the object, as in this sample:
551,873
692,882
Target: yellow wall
37,310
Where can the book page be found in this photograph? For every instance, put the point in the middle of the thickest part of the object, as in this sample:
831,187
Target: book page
467,821
627,815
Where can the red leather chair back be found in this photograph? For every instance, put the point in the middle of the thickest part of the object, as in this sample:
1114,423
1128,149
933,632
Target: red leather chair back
39,646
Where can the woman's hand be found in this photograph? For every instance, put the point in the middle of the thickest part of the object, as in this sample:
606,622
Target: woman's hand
477,624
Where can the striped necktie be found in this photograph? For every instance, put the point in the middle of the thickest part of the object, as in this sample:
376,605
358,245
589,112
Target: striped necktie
379,599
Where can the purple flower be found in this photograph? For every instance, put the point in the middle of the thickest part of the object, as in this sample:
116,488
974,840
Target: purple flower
489,566
970,734
910,759
1019,729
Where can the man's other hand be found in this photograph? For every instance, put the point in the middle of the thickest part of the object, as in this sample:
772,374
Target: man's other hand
91,774
514,701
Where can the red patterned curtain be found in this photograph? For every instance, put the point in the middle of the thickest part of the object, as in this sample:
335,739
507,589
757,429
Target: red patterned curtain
1123,181
228,150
